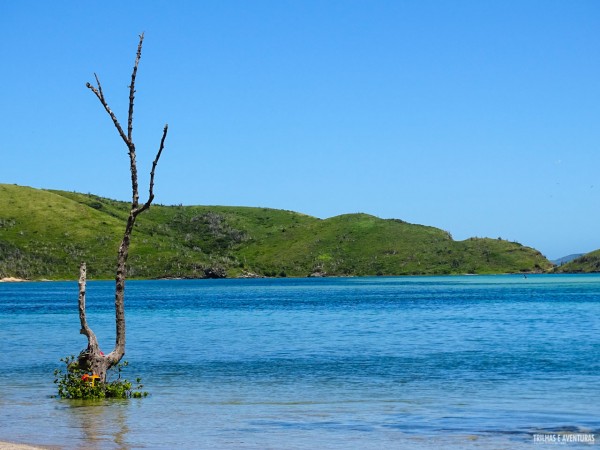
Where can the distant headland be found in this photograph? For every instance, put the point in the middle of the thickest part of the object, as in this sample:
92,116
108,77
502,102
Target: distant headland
46,234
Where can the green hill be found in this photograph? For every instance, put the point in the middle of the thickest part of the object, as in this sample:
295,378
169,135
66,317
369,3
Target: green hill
45,234
588,263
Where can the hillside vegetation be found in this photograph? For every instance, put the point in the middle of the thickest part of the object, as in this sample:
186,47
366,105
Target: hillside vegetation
45,234
587,263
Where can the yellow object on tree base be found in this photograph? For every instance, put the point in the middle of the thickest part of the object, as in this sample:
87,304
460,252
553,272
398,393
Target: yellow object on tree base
91,378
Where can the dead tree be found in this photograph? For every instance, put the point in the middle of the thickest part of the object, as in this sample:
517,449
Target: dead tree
92,358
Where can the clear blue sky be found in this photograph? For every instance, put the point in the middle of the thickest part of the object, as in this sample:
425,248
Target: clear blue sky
478,117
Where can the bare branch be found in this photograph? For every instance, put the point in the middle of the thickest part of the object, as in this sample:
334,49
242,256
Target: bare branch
100,95
85,329
133,166
155,162
99,86
127,138
132,88
146,205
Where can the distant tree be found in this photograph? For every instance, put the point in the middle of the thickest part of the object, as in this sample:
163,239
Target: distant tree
92,358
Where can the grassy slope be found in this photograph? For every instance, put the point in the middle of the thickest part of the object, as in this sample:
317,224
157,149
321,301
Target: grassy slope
359,244
44,234
587,263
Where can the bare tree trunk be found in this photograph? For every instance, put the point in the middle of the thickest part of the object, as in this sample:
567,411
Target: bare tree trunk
92,357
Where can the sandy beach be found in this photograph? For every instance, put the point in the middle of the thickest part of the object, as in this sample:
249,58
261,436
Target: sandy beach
13,446
11,280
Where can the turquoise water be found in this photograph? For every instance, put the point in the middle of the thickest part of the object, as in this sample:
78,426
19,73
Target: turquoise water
411,362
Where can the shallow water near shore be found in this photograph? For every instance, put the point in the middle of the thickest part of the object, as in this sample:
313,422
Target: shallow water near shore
410,362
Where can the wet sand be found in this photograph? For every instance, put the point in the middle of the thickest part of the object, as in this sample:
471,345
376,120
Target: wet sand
14,446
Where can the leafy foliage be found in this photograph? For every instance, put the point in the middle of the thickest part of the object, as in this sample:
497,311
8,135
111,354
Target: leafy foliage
75,383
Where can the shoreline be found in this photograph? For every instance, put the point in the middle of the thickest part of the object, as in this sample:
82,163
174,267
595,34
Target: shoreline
12,280
16,446
23,280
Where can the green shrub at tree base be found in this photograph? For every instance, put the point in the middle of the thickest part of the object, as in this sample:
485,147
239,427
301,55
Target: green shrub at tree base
75,383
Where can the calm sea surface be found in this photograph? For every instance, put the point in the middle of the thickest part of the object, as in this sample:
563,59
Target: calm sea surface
413,362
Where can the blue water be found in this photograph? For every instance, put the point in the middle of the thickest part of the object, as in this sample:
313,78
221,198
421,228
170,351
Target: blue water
411,362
